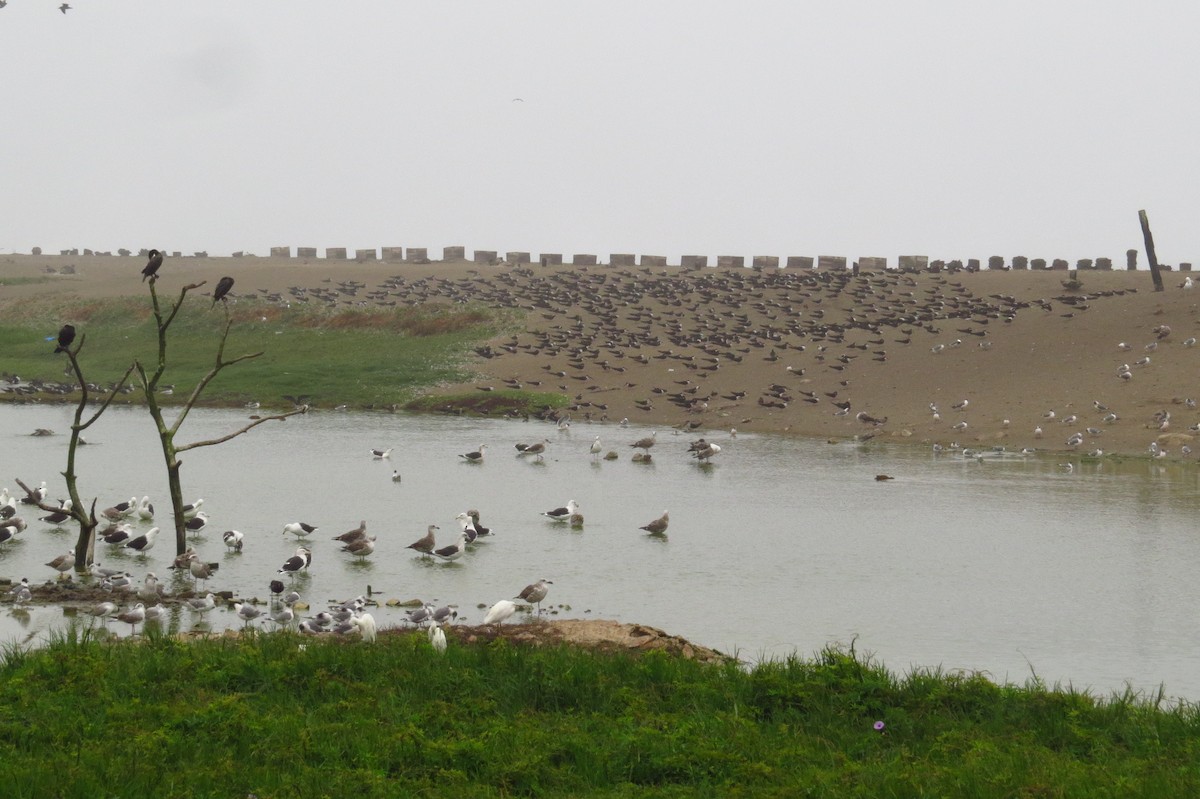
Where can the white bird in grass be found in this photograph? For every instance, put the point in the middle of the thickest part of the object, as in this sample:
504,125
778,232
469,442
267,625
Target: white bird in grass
437,638
564,513
365,623
500,611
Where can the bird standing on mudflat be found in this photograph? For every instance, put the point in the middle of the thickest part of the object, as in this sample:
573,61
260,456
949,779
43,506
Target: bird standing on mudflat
536,593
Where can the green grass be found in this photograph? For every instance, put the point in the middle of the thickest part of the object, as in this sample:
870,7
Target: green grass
22,281
364,358
284,716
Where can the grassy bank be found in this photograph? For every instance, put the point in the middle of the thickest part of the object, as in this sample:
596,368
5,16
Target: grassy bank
362,358
284,716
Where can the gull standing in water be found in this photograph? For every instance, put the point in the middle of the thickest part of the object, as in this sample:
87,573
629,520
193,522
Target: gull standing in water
476,456
658,526
535,593
564,513
425,544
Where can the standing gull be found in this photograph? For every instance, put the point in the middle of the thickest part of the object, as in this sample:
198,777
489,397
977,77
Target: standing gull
380,454
455,550
297,562
299,529
595,448
133,617
562,514
426,543
143,543
536,593
233,539
646,443
476,456
658,526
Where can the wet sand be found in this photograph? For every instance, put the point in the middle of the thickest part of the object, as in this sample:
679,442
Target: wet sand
820,354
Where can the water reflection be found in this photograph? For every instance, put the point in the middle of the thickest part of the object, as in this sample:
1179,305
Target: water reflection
994,563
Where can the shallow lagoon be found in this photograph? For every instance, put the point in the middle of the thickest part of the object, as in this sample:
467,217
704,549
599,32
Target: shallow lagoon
781,545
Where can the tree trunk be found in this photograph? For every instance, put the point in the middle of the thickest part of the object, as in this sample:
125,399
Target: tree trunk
1155,275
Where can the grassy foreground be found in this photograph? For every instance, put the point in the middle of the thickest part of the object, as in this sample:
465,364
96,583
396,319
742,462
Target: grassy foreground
359,357
278,715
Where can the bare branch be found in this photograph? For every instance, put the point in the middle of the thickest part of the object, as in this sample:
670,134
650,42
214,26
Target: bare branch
247,428
111,396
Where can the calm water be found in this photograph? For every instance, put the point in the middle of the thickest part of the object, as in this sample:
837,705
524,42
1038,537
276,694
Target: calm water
780,546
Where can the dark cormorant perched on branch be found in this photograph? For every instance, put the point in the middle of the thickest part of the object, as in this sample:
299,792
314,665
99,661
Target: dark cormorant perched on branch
151,268
223,287
65,336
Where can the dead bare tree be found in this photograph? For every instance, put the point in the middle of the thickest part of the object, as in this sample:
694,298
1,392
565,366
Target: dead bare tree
85,544
167,432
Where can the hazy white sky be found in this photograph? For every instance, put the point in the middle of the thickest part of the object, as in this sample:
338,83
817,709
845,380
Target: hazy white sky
948,128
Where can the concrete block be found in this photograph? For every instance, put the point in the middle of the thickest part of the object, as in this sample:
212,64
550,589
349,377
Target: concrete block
485,256
517,257
731,261
765,262
306,252
454,253
693,261
800,262
281,252
654,260
1020,262
1083,263
550,258
416,255
1131,259
873,263
996,262
392,253
913,263
365,255
335,253
1060,264
827,262
584,259
1183,266
622,259
1105,264
1038,263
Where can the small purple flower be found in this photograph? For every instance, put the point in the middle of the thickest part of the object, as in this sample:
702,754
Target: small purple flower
879,725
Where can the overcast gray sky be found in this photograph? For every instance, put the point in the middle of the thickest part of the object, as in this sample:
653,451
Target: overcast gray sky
952,129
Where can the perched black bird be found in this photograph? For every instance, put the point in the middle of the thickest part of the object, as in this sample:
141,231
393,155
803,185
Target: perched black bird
223,287
65,336
151,268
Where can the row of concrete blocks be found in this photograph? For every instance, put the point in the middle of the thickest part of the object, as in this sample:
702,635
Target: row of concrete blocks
905,263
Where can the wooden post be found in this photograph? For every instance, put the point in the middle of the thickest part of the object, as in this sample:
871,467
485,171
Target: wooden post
1150,256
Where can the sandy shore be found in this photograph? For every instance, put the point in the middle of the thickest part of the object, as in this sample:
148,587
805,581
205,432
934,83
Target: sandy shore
1000,355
